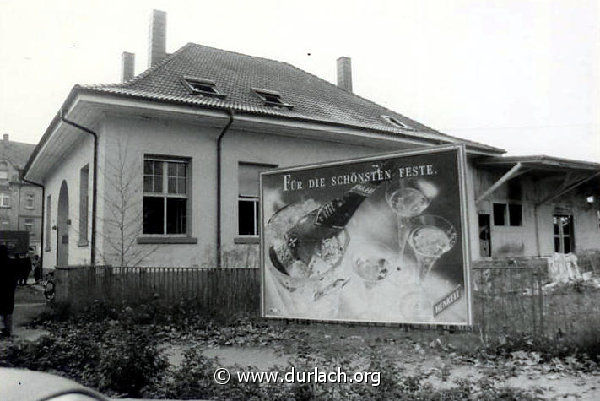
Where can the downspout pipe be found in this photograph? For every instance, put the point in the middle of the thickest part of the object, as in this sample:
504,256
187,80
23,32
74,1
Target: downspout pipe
42,246
94,187
219,196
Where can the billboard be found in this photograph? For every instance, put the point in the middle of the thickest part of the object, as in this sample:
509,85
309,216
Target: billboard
378,239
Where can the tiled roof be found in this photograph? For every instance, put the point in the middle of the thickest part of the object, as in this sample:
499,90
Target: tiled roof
235,75
16,153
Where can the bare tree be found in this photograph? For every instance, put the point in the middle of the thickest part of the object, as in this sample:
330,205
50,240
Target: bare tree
123,212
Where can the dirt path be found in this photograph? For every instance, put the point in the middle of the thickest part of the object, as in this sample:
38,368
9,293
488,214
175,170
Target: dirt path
29,304
441,370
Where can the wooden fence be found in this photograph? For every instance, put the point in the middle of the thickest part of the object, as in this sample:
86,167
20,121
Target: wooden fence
233,290
509,297
508,300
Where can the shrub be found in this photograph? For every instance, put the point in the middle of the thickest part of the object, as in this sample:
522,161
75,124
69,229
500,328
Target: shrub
120,360
194,380
129,360
61,353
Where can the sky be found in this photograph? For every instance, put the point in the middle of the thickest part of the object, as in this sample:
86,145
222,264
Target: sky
521,75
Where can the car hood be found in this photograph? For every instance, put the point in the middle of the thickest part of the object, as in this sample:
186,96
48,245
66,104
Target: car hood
27,385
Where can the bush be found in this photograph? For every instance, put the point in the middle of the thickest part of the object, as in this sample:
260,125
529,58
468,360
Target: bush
589,261
194,380
129,360
120,360
585,348
61,354
186,314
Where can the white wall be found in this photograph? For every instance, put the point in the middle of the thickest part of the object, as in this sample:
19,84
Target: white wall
139,136
281,151
67,169
183,139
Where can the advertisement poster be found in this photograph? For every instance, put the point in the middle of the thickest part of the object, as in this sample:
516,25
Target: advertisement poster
380,239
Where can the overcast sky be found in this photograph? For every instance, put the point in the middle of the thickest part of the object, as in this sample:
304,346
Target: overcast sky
517,74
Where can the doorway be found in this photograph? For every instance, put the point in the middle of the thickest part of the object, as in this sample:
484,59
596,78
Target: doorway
62,226
485,240
564,238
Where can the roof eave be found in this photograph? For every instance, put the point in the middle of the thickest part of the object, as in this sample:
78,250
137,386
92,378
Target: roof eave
51,127
478,148
539,161
78,89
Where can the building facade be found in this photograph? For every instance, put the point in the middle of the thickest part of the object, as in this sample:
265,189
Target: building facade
163,169
20,202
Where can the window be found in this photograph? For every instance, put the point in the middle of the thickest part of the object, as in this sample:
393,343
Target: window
485,240
508,214
499,214
248,199
564,240
397,122
28,225
165,196
247,215
29,201
4,200
84,176
202,86
48,225
271,98
3,171
515,214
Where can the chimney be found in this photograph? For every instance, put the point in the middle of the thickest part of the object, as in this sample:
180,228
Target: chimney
158,37
5,138
127,66
344,74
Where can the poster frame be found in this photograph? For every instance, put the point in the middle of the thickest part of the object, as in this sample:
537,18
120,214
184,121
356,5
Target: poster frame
465,218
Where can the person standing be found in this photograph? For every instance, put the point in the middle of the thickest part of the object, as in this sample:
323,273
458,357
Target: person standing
23,262
37,268
8,283
27,265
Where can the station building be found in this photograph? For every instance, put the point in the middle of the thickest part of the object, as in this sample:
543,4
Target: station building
163,168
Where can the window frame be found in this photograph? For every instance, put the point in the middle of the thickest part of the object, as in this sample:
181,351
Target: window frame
31,223
29,197
561,235
4,170
84,204
264,94
190,81
507,219
256,204
165,194
48,224
395,121
4,196
245,238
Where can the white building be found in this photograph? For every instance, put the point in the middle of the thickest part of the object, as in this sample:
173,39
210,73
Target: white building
162,169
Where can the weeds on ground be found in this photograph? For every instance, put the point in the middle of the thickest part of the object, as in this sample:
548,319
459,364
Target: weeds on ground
194,379
581,353
120,360
123,341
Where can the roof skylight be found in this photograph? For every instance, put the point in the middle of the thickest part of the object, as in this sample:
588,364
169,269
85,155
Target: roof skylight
202,86
396,122
271,98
